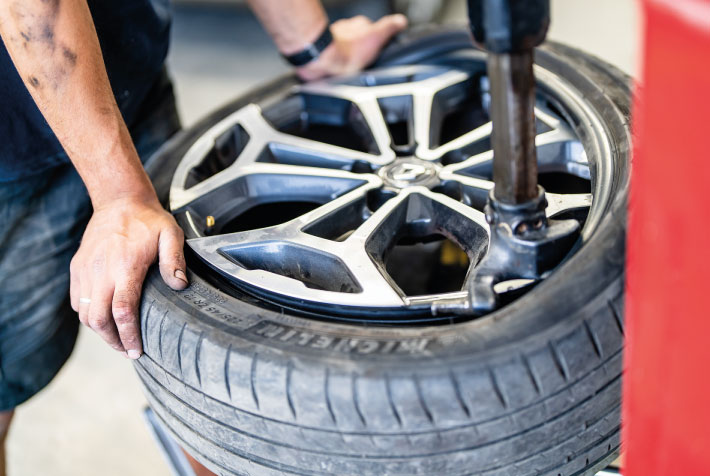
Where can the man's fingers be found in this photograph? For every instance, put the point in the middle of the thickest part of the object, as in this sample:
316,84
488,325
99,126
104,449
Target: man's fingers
171,259
74,285
100,319
380,33
124,307
83,299
388,26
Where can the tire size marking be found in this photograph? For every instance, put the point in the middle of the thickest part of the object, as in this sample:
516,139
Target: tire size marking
208,302
204,292
281,333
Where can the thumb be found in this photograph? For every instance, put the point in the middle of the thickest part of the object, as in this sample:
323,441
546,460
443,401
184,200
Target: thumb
388,26
171,259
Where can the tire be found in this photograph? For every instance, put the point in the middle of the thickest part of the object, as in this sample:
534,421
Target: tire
534,388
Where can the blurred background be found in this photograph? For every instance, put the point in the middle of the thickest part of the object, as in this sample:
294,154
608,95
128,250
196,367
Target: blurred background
89,420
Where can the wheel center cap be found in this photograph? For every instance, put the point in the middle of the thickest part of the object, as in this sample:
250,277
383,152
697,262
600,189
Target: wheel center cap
409,172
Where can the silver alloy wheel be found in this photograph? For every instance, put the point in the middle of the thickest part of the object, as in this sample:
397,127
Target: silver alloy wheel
395,174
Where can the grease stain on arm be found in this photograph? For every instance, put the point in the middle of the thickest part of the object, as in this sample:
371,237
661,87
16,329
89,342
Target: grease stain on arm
36,21
34,82
69,55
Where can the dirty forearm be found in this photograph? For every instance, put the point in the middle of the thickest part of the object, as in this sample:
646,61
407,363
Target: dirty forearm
293,24
55,49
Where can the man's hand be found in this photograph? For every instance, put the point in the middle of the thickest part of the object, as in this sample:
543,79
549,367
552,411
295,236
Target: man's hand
356,43
123,239
295,24
57,53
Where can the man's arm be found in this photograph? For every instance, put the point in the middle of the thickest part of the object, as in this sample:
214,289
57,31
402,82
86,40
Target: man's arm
295,24
54,47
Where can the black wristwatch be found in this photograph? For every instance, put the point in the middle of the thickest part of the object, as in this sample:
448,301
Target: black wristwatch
312,51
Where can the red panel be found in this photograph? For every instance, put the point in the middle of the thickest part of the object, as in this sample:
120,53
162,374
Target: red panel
667,381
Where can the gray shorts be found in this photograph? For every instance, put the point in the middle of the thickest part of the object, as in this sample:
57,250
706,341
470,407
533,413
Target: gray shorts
42,219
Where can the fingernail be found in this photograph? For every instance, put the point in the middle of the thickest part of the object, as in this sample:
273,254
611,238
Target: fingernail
180,274
401,19
133,354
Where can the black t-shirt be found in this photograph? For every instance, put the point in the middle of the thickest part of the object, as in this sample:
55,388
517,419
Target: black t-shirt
134,37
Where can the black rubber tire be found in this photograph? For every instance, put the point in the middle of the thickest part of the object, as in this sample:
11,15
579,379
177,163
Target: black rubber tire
531,389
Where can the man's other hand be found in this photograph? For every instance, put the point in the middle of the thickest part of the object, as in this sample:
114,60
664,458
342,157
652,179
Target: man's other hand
123,239
356,43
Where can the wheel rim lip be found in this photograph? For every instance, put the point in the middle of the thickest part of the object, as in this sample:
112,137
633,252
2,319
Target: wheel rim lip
597,147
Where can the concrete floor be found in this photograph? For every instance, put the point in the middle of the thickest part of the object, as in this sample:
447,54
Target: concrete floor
88,421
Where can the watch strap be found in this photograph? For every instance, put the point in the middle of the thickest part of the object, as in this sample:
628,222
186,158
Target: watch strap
312,51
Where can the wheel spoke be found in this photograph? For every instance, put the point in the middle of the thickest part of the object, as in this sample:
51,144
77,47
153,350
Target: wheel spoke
288,261
438,79
430,213
292,229
467,181
557,150
558,202
464,224
251,120
461,143
378,287
212,245
263,182
181,197
248,255
286,267
421,120
266,148
399,210
560,151
363,233
426,212
336,220
475,216
366,99
372,114
423,98
475,161
553,122
289,149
